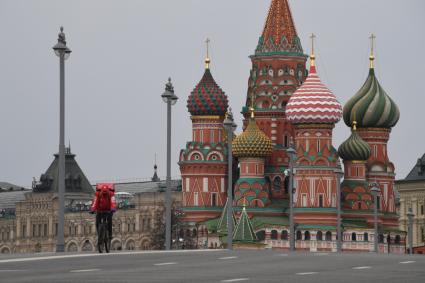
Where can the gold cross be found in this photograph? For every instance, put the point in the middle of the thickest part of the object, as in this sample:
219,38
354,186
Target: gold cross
372,38
312,36
207,59
207,41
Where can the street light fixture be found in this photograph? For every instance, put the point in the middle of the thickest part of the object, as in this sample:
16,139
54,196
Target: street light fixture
170,98
410,216
230,127
63,52
375,191
339,174
291,152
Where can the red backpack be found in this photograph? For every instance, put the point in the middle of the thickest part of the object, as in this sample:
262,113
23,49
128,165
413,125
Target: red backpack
104,201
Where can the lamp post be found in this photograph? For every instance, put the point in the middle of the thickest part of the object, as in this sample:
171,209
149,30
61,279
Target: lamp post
375,191
291,152
410,216
170,98
230,127
63,52
339,174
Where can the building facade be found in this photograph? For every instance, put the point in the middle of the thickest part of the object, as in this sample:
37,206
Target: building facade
412,196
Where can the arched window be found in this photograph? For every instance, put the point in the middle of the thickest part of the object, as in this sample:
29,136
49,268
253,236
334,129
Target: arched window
328,236
285,141
299,235
381,238
366,237
359,205
277,183
284,235
319,236
261,235
353,237
273,235
307,236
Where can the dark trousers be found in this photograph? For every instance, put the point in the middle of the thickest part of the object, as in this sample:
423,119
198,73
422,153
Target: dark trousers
108,216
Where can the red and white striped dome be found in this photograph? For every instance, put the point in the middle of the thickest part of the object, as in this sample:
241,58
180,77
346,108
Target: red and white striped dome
313,102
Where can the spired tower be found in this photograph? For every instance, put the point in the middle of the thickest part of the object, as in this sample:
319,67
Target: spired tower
376,113
314,111
278,69
203,164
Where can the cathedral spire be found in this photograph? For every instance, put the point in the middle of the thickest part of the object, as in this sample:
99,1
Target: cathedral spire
312,56
279,33
207,58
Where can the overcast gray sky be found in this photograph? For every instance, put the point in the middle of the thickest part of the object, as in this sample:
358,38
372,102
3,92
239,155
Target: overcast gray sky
124,51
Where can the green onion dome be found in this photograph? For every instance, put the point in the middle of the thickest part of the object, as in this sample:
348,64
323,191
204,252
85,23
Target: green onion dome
354,148
252,142
371,107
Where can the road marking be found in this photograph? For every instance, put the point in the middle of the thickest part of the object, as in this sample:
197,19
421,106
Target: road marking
228,257
282,255
84,270
235,280
319,254
409,261
165,263
362,267
11,270
110,254
305,273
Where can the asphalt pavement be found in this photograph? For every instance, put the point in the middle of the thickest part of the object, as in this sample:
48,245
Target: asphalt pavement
212,266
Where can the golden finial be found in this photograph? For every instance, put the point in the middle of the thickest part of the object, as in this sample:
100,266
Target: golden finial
207,59
355,118
354,125
371,57
312,56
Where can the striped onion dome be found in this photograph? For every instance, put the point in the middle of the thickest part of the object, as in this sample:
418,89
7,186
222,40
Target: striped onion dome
313,102
207,98
252,142
371,107
354,148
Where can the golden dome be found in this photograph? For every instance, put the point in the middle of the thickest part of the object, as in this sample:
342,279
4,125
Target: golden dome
252,142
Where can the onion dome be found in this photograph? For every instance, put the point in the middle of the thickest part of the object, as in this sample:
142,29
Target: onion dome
313,102
252,142
207,98
354,148
371,106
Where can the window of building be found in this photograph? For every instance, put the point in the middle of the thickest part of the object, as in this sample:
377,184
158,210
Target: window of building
273,235
195,199
353,237
319,236
33,230
318,145
378,199
277,183
398,239
214,199
285,140
205,187
284,235
359,205
366,237
422,209
299,235
56,229
307,236
39,230
381,238
328,236
320,200
24,231
304,200
45,229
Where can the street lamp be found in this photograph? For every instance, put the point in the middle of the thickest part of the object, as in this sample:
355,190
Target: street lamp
375,191
410,216
291,152
230,127
63,52
339,174
170,98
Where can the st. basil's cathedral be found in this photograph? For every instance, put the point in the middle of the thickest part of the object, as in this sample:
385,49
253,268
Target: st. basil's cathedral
287,106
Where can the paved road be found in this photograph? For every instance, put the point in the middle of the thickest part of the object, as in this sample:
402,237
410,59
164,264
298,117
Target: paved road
212,266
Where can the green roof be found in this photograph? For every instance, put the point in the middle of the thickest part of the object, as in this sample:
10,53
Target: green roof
262,221
315,226
222,223
244,231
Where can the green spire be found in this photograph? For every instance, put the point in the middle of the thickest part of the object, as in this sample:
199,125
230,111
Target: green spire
244,231
222,223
